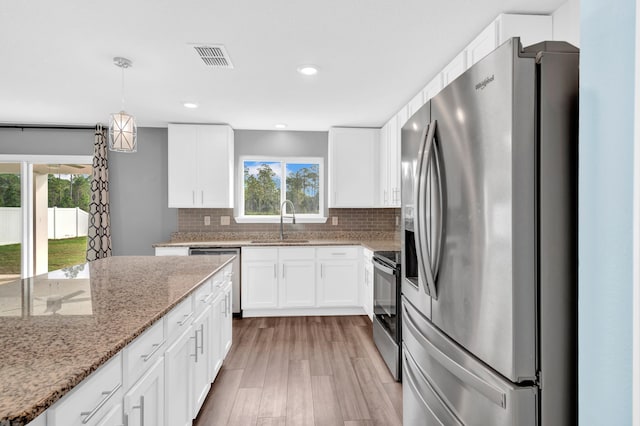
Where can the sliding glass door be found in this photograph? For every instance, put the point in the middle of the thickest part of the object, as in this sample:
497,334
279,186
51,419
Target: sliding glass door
44,211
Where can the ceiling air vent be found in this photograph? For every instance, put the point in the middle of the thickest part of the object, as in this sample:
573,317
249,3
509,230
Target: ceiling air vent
214,56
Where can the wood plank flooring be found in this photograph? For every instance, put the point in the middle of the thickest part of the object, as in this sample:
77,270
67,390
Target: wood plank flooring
321,371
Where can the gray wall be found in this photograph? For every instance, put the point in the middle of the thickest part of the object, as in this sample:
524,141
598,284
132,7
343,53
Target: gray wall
281,144
137,182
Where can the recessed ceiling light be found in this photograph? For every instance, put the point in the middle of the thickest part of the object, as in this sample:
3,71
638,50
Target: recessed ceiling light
280,126
190,105
308,69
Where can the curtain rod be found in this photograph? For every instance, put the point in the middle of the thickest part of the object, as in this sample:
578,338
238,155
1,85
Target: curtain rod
43,127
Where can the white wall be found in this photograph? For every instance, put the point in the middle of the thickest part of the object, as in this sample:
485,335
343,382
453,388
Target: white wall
566,22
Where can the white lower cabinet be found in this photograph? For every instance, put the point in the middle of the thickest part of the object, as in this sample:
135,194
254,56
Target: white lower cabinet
201,383
226,320
338,283
112,418
93,400
215,336
259,278
301,280
367,269
178,369
144,402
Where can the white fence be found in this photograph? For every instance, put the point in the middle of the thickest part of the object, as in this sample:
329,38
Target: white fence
61,223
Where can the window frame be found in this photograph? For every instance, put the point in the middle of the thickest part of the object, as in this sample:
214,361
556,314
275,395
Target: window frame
320,217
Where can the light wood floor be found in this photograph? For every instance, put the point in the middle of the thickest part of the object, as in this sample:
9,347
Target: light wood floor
303,371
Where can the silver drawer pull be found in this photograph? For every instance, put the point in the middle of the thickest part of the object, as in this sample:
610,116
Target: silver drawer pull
141,407
186,318
89,414
338,254
156,346
207,299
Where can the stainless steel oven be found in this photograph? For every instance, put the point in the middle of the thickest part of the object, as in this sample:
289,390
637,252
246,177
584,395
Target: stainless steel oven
387,330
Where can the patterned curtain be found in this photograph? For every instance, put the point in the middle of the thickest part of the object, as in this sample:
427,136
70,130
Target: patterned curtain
99,238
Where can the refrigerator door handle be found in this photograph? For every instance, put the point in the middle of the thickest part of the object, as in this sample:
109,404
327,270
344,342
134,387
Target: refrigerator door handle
409,375
434,153
488,390
423,250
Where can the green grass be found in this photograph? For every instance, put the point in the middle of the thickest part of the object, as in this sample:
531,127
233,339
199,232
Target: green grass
62,253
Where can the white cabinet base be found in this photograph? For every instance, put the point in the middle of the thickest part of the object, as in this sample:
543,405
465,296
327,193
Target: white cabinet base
291,312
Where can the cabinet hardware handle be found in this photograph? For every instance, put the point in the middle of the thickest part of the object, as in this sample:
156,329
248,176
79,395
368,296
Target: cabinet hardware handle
195,337
185,320
201,339
193,197
141,407
202,197
321,270
207,299
335,253
89,414
283,266
385,196
156,346
275,271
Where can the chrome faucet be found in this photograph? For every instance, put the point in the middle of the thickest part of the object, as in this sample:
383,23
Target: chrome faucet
293,216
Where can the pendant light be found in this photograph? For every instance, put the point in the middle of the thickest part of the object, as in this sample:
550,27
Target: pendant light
123,132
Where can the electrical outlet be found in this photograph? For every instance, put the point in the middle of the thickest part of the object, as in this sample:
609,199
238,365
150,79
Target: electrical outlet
207,220
334,220
397,220
225,220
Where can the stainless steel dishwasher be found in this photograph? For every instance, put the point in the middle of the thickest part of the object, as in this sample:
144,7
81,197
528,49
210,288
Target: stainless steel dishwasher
213,251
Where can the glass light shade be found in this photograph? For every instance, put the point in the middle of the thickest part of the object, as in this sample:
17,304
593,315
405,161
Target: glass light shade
123,132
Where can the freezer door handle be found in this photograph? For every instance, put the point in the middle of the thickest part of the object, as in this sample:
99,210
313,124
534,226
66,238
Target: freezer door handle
422,238
421,395
438,227
465,376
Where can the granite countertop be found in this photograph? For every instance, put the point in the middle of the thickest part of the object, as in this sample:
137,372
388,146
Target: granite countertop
373,245
57,328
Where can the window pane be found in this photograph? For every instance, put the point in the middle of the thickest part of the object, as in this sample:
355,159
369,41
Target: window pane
262,182
303,187
10,222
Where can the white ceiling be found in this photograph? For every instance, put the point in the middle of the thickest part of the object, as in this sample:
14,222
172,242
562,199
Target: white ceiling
56,58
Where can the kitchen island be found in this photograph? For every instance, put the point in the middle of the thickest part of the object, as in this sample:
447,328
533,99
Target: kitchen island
58,328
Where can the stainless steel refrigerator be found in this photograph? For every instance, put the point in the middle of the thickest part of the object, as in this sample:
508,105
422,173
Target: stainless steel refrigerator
489,244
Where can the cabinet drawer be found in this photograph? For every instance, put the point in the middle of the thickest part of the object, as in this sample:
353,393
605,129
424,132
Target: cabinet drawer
172,251
140,354
297,253
92,399
203,296
338,252
259,253
179,319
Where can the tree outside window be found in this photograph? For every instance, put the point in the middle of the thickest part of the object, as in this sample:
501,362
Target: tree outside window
266,186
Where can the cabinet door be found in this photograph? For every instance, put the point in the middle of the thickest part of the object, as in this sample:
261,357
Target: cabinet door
214,165
338,283
483,44
394,156
217,315
297,283
259,284
182,177
112,418
178,378
201,383
432,88
352,164
144,403
227,320
456,67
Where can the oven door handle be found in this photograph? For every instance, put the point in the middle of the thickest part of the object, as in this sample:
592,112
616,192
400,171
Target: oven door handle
383,268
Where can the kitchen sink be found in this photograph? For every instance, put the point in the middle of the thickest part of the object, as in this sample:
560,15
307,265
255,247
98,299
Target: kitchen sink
279,241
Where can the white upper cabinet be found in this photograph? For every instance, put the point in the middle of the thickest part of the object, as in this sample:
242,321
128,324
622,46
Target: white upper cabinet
456,67
353,160
200,166
432,88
